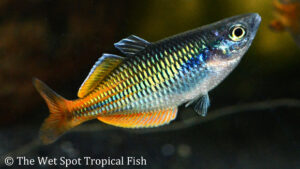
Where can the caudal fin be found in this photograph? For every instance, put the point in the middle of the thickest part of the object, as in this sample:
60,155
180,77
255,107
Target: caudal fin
57,123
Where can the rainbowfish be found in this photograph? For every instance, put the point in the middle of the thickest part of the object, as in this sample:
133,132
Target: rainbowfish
287,18
145,88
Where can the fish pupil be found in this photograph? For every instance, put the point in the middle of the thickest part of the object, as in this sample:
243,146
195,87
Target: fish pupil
238,32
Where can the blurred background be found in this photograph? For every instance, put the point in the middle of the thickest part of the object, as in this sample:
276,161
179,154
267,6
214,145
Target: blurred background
59,41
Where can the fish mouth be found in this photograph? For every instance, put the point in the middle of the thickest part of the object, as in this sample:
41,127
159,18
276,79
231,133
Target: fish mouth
256,19
253,20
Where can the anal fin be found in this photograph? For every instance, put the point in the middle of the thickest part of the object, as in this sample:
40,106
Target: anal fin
142,119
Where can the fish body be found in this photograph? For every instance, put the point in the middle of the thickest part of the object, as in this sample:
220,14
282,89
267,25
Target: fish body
145,88
287,18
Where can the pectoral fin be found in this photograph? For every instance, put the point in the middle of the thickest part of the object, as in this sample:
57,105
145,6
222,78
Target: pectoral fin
142,119
100,70
201,105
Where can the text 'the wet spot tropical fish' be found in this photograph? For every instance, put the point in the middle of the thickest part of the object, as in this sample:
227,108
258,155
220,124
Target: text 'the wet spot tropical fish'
145,87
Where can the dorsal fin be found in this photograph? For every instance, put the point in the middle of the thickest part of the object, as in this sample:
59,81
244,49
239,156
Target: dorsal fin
131,45
102,67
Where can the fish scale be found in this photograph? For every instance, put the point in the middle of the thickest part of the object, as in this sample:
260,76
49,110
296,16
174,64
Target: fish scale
164,68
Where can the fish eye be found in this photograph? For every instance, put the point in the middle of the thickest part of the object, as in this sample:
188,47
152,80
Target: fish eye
237,32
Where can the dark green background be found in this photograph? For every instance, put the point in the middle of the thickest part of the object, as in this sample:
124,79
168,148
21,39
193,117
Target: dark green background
59,41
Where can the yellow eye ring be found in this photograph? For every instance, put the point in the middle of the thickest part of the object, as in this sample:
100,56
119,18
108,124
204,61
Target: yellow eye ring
237,32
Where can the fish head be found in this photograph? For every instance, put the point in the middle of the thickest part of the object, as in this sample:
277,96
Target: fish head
232,37
227,41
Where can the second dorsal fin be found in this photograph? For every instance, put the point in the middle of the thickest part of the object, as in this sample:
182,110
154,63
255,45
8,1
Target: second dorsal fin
131,45
102,68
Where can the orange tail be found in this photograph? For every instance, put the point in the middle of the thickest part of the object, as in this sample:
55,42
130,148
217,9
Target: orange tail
58,122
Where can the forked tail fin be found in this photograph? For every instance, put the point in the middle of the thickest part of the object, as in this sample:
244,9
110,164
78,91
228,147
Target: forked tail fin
58,121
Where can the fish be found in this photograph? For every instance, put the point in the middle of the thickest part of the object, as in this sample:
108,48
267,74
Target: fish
287,18
144,88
